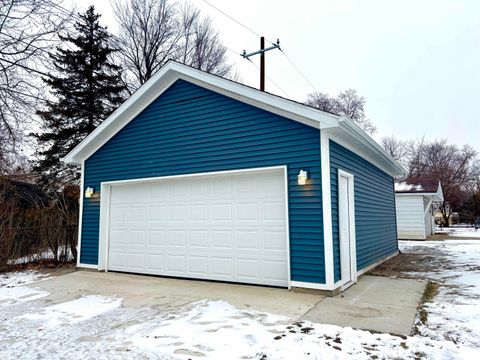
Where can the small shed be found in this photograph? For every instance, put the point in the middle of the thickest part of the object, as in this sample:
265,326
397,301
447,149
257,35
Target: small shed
414,202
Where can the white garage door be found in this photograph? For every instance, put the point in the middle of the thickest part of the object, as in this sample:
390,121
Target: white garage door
228,227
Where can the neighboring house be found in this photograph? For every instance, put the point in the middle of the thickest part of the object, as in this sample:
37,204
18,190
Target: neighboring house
415,198
197,176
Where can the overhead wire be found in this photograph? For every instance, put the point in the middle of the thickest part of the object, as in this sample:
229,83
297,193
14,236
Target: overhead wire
290,61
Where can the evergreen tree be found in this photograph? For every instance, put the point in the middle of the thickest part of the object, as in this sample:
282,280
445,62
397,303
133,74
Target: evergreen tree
87,87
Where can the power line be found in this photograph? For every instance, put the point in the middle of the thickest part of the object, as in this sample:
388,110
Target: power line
231,18
272,42
269,79
234,20
299,71
251,62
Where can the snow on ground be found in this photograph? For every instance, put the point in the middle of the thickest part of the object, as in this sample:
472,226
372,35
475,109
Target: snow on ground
459,231
22,277
98,327
10,293
74,311
454,314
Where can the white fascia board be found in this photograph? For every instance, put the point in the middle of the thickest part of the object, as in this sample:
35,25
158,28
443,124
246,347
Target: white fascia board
173,71
350,136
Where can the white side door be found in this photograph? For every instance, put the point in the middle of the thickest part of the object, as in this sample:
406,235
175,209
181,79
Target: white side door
346,215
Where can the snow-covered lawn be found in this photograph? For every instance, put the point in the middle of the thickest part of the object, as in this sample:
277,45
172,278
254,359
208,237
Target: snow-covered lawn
461,231
454,314
99,327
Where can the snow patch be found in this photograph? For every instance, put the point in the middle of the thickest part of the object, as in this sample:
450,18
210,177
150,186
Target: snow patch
454,314
404,186
20,278
11,291
217,330
75,311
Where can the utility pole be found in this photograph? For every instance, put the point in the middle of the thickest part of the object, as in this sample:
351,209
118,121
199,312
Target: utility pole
262,64
262,52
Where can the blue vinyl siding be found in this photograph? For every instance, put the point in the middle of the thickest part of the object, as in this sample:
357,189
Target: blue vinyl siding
189,129
375,219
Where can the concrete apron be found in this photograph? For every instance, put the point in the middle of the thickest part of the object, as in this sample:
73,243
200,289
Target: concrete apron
374,303
143,290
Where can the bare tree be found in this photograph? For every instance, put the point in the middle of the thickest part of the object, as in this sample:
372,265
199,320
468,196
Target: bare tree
322,101
455,167
27,30
347,103
200,45
397,149
154,31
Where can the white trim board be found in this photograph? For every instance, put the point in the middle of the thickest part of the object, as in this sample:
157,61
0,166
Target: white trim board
327,208
103,245
87,266
80,212
309,285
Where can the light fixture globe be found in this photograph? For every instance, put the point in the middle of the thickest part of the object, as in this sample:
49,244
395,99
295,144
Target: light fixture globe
302,177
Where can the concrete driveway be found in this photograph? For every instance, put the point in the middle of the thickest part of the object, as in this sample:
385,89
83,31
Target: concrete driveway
140,290
375,303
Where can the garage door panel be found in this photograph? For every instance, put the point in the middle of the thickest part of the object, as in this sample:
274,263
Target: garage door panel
156,239
222,265
155,263
199,212
176,238
198,265
228,227
274,240
176,264
222,212
247,211
248,268
198,239
247,240
222,240
157,213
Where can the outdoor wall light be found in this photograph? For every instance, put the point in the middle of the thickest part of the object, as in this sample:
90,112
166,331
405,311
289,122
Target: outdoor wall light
302,177
89,191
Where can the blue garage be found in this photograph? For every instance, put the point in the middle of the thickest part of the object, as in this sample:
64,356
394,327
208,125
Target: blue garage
196,176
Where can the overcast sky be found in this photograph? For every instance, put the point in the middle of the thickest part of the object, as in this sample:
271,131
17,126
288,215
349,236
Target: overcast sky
416,62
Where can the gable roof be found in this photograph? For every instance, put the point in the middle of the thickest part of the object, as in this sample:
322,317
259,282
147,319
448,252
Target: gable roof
419,186
173,71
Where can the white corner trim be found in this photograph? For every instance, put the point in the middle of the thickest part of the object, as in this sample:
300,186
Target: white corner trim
375,264
308,285
80,212
173,71
87,266
104,224
287,227
327,207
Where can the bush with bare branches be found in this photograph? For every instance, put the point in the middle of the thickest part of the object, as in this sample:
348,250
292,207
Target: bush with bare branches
35,226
